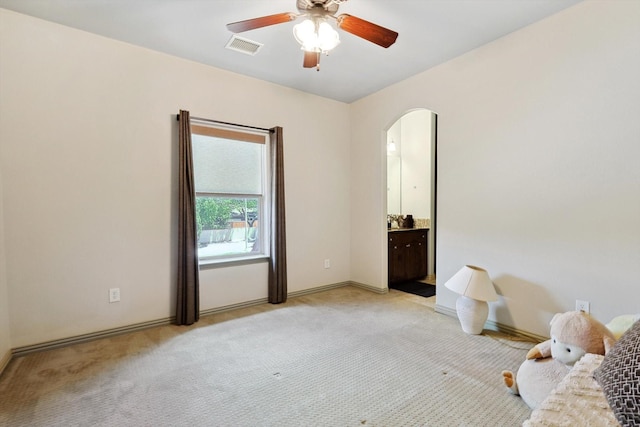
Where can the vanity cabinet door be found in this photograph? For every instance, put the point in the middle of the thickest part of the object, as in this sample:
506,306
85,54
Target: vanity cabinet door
396,259
417,256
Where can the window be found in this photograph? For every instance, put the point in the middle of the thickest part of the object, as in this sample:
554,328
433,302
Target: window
232,204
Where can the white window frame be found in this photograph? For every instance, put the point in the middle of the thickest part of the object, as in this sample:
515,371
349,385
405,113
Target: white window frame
241,134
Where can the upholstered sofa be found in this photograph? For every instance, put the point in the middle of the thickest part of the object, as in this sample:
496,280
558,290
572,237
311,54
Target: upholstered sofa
598,391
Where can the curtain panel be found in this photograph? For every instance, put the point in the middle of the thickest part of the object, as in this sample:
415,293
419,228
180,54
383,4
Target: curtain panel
278,257
188,292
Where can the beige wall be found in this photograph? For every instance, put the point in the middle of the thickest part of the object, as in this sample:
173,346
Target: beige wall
87,154
538,177
5,341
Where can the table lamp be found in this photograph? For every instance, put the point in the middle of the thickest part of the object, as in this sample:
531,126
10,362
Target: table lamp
475,289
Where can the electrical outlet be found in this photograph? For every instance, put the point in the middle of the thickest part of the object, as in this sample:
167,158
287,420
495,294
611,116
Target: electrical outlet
327,263
582,305
114,295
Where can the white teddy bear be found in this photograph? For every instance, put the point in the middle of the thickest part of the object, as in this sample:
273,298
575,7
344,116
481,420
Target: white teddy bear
573,334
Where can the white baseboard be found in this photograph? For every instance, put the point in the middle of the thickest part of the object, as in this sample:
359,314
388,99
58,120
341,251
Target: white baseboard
215,310
451,312
63,342
317,289
501,327
50,345
4,361
369,288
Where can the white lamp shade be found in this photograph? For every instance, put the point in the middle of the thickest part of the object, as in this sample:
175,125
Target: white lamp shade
328,38
473,282
316,36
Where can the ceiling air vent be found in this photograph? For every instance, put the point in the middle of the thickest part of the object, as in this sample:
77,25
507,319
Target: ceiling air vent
243,45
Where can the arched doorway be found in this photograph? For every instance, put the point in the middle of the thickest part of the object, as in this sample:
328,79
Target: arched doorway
411,175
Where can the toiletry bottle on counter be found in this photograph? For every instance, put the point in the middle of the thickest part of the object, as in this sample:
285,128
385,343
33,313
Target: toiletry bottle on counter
408,222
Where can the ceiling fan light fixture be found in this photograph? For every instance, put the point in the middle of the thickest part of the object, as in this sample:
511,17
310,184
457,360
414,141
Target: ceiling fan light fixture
316,35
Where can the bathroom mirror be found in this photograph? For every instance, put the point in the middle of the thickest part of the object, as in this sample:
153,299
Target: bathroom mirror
394,183
409,165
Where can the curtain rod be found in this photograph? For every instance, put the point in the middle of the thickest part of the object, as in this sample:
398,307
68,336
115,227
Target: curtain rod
227,123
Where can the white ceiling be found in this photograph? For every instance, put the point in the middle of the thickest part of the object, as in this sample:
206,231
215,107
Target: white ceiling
431,32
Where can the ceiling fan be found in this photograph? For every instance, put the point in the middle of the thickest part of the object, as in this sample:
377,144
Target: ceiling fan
314,34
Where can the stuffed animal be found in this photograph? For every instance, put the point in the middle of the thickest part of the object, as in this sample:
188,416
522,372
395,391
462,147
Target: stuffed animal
620,324
573,334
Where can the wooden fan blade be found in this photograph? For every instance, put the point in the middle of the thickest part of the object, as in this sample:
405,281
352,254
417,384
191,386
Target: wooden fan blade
367,30
311,59
263,21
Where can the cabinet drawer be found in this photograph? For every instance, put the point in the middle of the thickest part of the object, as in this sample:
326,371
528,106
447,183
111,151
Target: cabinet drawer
403,237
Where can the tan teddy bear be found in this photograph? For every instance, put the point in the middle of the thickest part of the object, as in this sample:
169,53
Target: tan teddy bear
573,334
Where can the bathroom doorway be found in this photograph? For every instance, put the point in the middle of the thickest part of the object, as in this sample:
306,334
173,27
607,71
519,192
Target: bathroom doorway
411,144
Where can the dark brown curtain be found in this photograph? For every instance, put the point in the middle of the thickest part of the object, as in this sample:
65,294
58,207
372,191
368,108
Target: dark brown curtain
278,257
188,295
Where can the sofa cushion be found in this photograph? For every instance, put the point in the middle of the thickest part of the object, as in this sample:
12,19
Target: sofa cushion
619,377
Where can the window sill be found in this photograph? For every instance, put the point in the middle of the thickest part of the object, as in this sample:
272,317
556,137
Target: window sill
207,264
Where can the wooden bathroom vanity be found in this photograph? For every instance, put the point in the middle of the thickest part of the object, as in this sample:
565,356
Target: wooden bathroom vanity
407,254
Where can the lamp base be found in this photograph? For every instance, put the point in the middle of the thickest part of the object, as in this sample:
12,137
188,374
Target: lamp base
472,314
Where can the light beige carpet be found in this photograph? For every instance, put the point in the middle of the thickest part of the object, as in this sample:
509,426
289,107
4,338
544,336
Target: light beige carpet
344,357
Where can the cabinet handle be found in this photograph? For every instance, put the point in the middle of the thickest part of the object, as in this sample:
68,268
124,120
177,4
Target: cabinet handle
408,245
